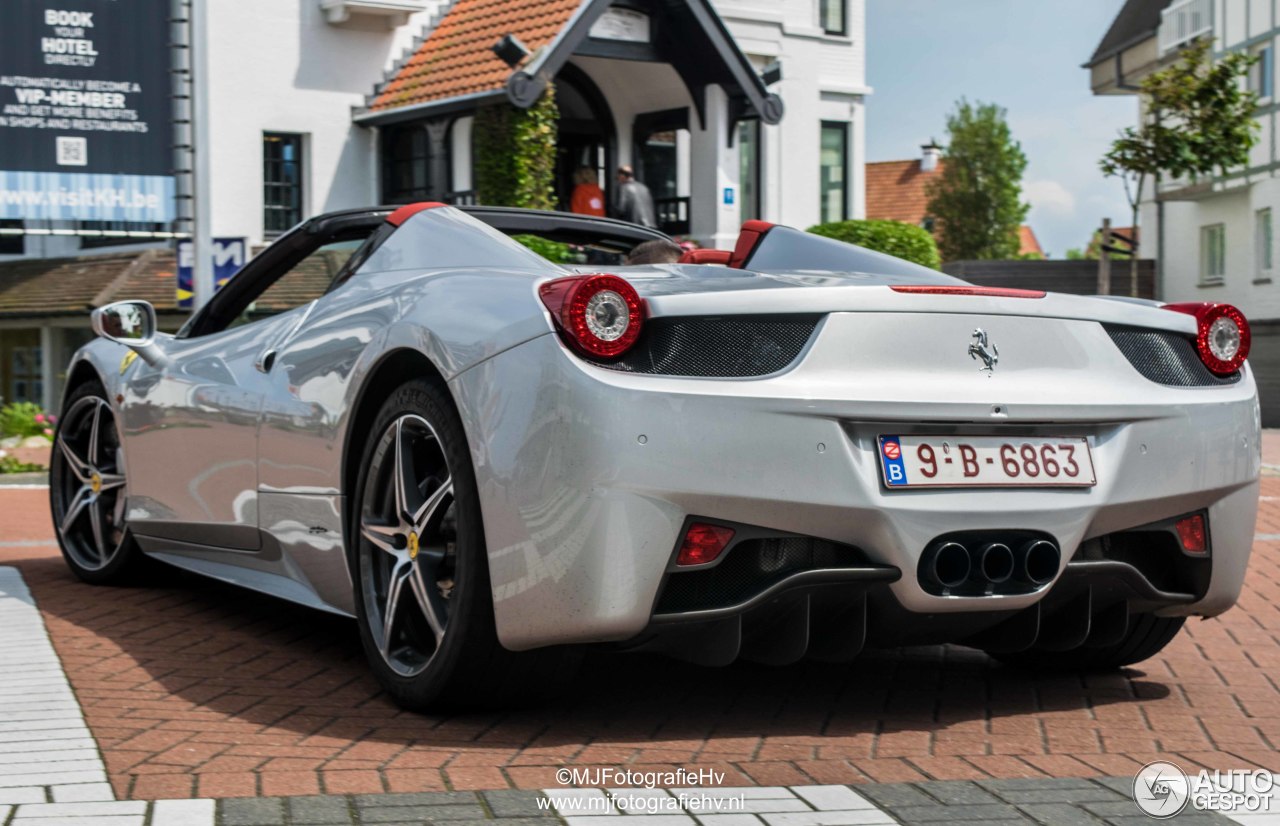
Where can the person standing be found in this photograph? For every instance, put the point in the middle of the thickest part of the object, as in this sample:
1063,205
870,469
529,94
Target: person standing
588,197
635,202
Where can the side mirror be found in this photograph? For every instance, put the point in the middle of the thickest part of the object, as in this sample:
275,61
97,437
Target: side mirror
133,324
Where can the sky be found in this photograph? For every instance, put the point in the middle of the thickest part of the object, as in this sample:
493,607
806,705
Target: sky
1025,55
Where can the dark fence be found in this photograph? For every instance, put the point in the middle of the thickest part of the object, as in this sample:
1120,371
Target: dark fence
1075,277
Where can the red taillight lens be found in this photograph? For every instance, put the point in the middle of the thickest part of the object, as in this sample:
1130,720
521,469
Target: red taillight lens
991,292
1192,534
599,315
703,543
1222,335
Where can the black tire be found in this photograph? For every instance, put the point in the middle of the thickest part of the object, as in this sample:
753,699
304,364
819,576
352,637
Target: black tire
115,557
1146,637
465,665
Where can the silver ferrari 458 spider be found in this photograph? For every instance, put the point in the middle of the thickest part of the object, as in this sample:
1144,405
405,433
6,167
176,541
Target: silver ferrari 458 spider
794,448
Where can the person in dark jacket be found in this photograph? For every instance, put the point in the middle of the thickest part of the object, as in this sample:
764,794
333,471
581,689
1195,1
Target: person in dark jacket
635,202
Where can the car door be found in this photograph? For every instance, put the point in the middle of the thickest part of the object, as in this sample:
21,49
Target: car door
192,424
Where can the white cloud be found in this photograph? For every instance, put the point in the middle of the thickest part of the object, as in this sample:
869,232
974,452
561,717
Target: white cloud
1049,198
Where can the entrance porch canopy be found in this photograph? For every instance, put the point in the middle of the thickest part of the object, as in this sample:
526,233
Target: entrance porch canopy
454,70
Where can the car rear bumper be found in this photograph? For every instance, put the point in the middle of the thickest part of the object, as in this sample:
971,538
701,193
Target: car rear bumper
587,476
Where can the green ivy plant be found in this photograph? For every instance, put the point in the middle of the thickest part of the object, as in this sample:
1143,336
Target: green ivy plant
906,241
515,153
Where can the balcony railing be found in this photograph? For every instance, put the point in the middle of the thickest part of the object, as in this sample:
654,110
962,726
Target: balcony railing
1184,21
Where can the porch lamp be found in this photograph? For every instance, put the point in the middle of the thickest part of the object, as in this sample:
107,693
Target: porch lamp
511,50
772,73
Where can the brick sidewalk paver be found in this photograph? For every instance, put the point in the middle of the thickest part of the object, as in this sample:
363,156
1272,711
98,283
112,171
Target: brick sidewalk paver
193,688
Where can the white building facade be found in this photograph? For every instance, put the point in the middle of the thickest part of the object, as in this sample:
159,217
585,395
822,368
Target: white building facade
289,80
728,109
1218,239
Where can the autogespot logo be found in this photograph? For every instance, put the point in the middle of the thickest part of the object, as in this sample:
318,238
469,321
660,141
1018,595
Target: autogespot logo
1161,789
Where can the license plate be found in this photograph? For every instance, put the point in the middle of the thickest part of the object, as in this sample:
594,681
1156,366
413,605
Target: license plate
986,461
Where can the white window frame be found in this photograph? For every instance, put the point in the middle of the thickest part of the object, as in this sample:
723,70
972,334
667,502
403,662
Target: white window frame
1264,243
1262,74
1213,260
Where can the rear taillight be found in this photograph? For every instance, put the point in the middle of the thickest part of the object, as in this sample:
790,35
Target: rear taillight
1192,535
703,544
1222,335
598,315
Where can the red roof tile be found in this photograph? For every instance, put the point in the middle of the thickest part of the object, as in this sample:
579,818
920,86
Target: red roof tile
33,287
1030,243
898,191
457,59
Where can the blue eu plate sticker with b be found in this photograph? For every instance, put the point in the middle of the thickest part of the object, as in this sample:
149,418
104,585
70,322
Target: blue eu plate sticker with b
895,472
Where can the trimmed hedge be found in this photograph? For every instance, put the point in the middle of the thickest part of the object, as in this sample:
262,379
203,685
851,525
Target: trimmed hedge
906,241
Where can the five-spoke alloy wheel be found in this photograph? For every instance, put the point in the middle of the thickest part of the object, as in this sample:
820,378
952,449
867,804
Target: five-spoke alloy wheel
423,597
408,552
87,488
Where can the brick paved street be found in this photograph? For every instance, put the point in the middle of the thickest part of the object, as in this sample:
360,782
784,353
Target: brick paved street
192,688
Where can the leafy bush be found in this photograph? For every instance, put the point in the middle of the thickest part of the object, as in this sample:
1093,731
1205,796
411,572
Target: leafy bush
906,241
10,464
25,419
553,251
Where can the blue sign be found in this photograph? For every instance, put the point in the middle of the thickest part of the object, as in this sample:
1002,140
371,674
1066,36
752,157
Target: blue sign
86,114
728,196
895,470
229,255
82,196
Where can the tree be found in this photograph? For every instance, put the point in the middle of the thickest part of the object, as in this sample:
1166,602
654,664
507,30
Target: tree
977,197
1197,119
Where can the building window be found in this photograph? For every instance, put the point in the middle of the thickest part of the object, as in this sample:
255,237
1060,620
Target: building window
749,168
11,244
281,182
834,161
114,227
1213,253
407,178
20,365
1262,237
1262,73
832,15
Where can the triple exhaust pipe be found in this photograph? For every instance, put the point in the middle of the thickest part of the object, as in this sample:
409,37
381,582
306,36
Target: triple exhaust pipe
952,564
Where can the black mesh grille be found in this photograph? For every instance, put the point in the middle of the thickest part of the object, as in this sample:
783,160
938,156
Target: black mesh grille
1165,357
749,568
720,347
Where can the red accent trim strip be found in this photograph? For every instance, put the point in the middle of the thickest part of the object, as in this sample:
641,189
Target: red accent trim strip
407,211
706,257
991,292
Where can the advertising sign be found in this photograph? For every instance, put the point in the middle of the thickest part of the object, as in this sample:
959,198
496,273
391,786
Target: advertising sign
85,110
229,255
